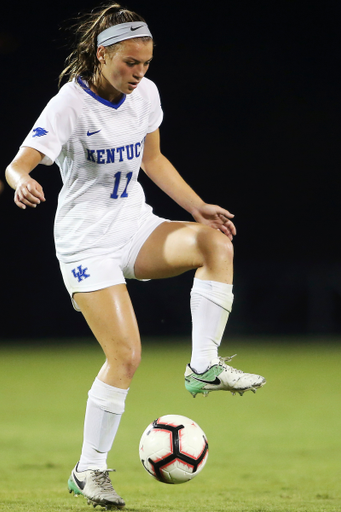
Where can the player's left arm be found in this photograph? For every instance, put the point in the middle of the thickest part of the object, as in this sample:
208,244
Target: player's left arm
160,170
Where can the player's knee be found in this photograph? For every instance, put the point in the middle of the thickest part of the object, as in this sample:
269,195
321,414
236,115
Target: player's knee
127,358
133,363
216,246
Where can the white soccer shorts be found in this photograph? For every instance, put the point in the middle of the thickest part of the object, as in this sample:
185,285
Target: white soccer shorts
98,272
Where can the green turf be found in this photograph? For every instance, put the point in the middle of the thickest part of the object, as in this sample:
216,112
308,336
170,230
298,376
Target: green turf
278,450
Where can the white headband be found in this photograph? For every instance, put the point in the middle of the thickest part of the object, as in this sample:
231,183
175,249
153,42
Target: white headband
123,31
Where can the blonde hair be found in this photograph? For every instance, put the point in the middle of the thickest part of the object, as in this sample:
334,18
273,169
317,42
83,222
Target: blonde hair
83,60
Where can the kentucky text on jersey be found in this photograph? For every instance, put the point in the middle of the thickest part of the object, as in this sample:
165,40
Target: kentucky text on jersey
109,156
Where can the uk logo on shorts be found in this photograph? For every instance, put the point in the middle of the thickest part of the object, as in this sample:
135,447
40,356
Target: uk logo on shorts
39,132
81,274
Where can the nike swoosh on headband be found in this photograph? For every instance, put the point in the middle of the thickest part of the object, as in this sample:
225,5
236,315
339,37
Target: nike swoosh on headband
123,31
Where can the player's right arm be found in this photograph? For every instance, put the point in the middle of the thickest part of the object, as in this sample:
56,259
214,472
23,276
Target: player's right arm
43,144
28,192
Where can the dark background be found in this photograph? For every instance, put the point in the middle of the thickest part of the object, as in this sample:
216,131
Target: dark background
250,92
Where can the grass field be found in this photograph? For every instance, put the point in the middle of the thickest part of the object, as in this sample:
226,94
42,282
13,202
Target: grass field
278,450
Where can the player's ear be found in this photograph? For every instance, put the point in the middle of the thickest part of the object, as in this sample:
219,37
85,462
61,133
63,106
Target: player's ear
101,53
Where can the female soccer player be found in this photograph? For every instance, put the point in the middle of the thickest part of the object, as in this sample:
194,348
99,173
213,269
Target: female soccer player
100,128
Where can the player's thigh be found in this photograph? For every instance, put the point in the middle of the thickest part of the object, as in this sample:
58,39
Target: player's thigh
111,317
175,247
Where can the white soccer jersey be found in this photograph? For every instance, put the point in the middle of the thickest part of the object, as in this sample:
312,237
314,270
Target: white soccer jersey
98,147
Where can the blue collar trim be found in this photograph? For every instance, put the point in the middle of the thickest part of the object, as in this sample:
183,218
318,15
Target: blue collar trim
98,98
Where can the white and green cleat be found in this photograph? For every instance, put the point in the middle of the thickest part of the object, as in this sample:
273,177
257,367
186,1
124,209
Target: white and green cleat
220,376
96,486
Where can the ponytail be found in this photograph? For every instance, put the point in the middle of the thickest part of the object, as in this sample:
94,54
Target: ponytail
83,59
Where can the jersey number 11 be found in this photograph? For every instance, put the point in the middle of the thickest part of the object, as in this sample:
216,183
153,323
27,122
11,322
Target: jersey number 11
117,177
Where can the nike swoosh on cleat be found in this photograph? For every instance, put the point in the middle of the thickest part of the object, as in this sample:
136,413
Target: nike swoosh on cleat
216,381
80,484
92,133
136,28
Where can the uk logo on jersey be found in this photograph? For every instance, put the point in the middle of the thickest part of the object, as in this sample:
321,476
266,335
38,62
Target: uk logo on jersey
39,132
81,274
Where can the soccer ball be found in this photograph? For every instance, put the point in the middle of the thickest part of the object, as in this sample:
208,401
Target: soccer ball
173,449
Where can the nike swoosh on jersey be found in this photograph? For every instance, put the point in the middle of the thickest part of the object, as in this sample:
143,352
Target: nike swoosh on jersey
215,382
136,28
80,484
92,133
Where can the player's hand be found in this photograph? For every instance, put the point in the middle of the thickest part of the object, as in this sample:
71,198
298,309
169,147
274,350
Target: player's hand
216,217
28,193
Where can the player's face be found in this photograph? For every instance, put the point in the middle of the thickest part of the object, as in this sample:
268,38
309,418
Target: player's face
122,70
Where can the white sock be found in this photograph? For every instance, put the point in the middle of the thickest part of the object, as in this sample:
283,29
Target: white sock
104,409
211,304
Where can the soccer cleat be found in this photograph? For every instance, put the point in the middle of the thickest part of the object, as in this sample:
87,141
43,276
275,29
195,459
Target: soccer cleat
220,376
96,486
